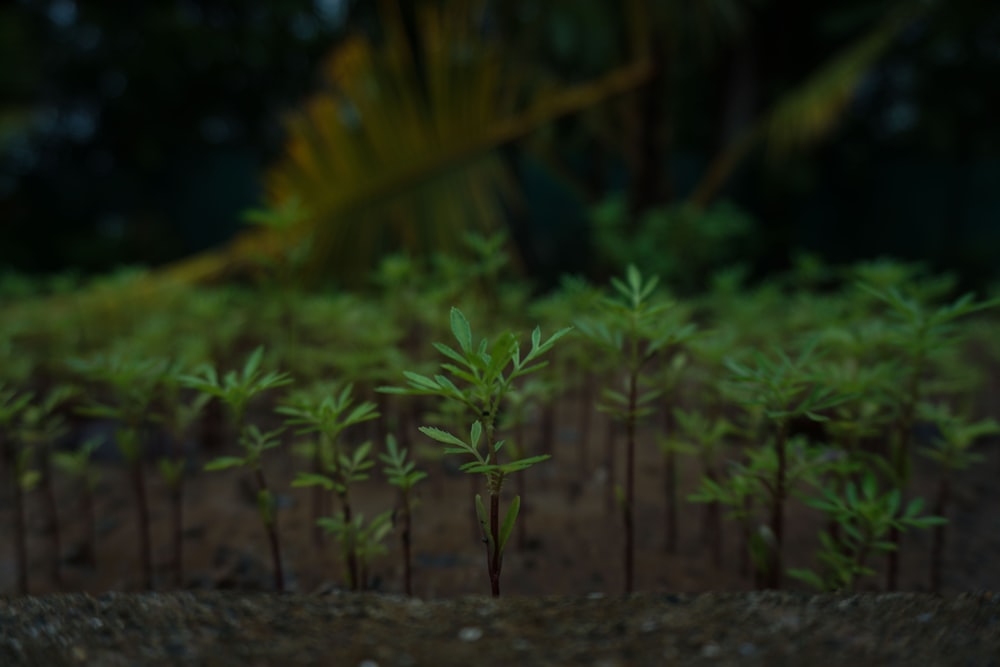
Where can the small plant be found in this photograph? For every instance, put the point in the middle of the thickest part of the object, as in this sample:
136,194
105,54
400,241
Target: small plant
361,540
633,328
705,439
77,464
488,371
402,474
921,333
40,426
26,479
783,389
749,487
866,515
177,417
339,475
951,450
23,478
237,390
133,387
328,411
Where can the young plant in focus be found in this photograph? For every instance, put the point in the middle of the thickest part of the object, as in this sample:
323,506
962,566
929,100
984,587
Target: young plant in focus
488,371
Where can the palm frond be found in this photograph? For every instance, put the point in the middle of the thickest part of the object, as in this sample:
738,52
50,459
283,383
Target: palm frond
398,152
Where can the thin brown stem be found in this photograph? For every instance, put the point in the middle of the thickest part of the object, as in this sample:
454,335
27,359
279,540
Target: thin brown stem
939,534
405,537
779,493
177,503
586,414
142,517
90,521
627,506
271,526
51,508
20,533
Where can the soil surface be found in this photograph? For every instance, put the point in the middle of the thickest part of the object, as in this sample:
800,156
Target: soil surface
368,630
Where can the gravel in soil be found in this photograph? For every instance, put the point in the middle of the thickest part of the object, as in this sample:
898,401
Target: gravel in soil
216,629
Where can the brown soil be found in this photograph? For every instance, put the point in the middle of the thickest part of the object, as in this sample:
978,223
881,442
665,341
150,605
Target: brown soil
369,630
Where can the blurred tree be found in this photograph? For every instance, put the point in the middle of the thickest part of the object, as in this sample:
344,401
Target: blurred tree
138,111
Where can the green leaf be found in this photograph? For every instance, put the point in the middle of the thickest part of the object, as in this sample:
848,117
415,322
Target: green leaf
450,353
224,462
29,479
461,330
312,479
508,522
521,464
809,577
253,363
421,381
443,436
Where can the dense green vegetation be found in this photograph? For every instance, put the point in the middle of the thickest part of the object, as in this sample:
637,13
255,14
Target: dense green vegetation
729,376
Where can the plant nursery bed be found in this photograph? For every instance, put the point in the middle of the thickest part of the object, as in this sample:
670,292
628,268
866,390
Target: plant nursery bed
571,545
369,629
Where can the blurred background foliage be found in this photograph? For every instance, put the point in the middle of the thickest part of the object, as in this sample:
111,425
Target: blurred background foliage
217,138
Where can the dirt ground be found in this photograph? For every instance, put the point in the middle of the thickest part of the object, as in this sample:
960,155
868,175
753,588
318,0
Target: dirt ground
572,544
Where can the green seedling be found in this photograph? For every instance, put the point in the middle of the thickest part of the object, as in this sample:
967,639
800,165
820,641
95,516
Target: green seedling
133,387
338,476
750,486
237,390
177,417
633,327
783,389
364,540
921,332
673,370
952,451
705,439
12,402
402,474
488,371
40,426
328,417
865,514
581,368
26,479
23,479
77,464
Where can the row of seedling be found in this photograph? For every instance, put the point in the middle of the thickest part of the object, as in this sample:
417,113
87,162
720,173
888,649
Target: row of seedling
646,355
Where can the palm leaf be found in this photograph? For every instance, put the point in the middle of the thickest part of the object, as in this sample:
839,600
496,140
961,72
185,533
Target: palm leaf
391,154
398,152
